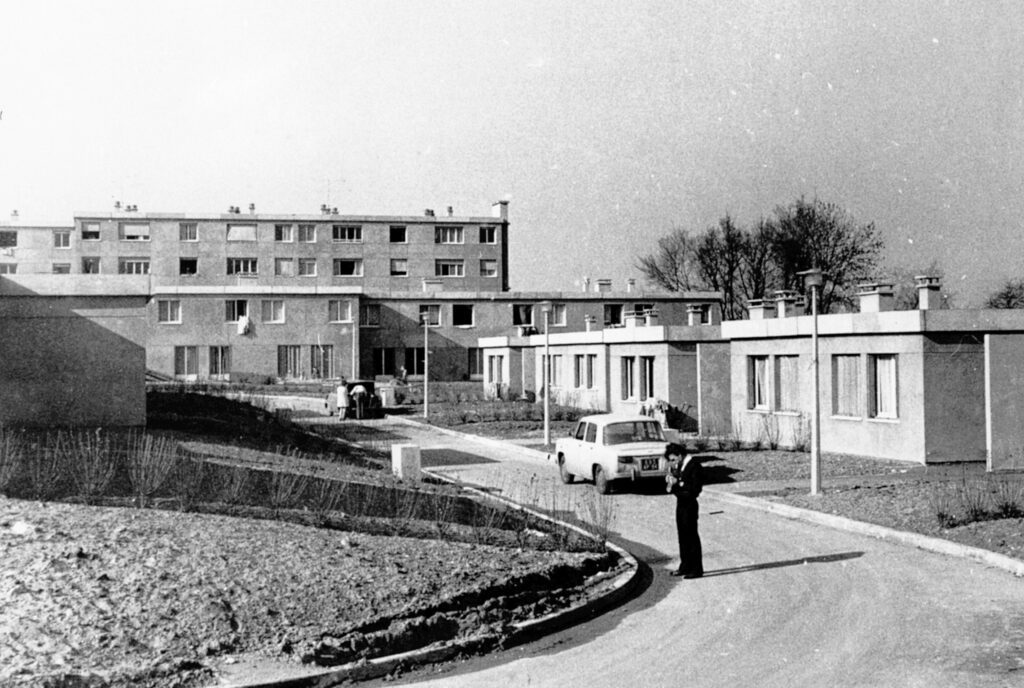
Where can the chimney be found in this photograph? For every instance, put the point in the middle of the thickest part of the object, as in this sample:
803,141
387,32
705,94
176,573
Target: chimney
875,297
758,309
694,315
785,303
499,209
603,285
586,284
588,322
334,211
928,295
428,212
451,211
630,284
14,217
117,205
651,317
252,208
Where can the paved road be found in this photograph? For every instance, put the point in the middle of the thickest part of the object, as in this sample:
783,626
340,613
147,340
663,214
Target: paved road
784,603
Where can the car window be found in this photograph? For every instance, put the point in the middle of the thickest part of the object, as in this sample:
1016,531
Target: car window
591,432
580,429
633,431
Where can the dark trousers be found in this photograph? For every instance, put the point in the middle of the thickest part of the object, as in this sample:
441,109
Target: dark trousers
691,557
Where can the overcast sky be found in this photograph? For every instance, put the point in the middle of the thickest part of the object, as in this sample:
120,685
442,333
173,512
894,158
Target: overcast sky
605,124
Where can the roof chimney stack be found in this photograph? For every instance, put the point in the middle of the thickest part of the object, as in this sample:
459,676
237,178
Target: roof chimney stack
876,297
252,208
928,295
451,211
428,212
499,209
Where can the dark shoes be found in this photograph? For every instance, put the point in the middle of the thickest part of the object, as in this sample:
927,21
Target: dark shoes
685,576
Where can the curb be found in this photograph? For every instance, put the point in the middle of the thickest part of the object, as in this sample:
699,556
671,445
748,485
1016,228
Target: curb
902,537
489,441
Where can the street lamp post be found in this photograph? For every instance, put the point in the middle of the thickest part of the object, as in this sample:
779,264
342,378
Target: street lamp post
545,308
426,365
813,278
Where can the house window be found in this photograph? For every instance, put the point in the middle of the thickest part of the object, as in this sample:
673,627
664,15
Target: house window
385,360
90,231
462,315
558,314
307,234
62,268
284,267
646,378
628,377
488,268
242,266
188,266
431,314
399,267
289,360
220,361
133,266
555,374
475,361
8,239
846,385
8,268
522,314
447,235
348,267
369,315
62,239
787,383
283,233
643,308
415,362
90,265
235,309
612,314
272,310
757,382
398,234
188,231
488,235
578,370
186,361
339,310
346,234
307,267
495,368
169,311
591,366
883,392
321,361
133,231
446,267
237,232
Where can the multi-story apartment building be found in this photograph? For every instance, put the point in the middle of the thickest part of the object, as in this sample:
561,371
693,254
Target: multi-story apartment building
240,295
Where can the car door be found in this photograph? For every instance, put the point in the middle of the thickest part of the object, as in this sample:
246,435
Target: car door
577,456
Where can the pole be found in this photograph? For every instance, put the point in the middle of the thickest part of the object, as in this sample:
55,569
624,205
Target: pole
547,381
426,366
816,408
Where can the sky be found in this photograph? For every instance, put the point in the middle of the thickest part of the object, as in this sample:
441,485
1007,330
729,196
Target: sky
605,125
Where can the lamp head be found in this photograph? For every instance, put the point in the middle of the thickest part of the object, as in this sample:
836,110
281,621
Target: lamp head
812,278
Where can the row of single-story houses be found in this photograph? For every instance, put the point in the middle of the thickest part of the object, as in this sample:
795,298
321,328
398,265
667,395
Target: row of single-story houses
925,386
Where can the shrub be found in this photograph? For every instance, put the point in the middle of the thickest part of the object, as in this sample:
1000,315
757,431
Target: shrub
942,500
1008,497
91,461
12,452
150,460
974,499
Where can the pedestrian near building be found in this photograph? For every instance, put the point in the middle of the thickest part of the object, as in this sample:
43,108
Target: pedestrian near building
359,400
685,481
342,400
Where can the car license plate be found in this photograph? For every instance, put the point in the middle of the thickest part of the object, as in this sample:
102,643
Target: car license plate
648,464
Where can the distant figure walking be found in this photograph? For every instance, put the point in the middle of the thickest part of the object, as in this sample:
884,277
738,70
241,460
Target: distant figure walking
342,400
685,480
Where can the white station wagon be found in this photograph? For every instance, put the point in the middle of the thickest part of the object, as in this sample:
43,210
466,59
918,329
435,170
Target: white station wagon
609,447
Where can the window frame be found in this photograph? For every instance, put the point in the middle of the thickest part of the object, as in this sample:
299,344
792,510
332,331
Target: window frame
430,309
91,231
234,263
392,229
181,265
279,263
284,233
370,315
302,265
456,307
219,363
238,227
786,392
488,234
627,365
393,269
60,268
346,234
335,308
168,311
877,390
92,260
357,265
123,235
646,377
306,234
188,356
276,309
610,318
449,267
486,263
124,262
842,397
188,232
232,312
62,239
758,392
449,234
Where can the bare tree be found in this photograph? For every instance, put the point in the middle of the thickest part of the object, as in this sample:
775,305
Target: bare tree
672,266
719,254
905,286
1010,295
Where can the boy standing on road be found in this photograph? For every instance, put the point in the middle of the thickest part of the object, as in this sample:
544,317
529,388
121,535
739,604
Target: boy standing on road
685,481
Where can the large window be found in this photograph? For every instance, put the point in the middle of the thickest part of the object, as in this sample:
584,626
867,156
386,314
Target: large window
846,385
307,267
240,232
488,268
188,266
62,239
522,314
432,313
133,231
169,311
399,267
8,268
415,361
348,267
462,315
242,266
272,310
90,231
488,234
289,360
91,265
284,233
475,361
578,370
235,309
628,377
556,370
612,314
495,366
62,268
321,361
369,315
347,234
339,310
449,267
787,383
448,235
385,360
188,231
646,378
557,315
8,239
284,267
186,361
397,234
883,393
220,361
591,367
757,382
133,266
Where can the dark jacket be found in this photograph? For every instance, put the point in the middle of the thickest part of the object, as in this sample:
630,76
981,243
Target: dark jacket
689,480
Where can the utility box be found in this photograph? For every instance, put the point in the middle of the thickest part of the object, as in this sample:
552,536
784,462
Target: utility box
405,461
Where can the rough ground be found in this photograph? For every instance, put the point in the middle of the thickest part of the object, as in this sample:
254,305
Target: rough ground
142,597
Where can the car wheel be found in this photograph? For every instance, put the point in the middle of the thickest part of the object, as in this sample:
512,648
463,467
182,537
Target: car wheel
601,481
567,477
